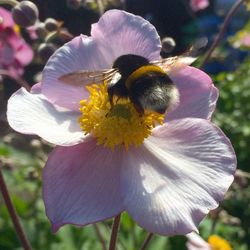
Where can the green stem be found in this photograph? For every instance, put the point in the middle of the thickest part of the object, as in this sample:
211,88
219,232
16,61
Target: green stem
114,233
99,235
10,2
13,214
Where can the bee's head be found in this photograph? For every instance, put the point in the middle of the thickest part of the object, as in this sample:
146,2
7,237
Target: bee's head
127,64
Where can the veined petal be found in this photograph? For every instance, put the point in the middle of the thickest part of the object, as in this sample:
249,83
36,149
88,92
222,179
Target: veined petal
81,53
120,33
195,242
81,184
117,33
33,114
198,95
180,173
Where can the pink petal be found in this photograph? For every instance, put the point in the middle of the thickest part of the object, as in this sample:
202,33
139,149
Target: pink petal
120,33
197,5
81,184
14,39
79,54
180,173
7,18
7,54
33,114
198,95
24,54
36,89
117,33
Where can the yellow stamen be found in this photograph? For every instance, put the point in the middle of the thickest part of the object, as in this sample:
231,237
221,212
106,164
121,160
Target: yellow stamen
120,125
16,29
218,243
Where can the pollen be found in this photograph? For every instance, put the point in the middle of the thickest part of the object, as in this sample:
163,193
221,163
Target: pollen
117,125
218,243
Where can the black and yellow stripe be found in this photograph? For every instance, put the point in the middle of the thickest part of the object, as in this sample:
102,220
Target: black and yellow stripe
142,71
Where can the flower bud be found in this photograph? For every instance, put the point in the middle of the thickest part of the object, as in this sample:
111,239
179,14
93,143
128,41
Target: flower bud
168,44
36,144
74,4
41,30
45,50
25,13
51,24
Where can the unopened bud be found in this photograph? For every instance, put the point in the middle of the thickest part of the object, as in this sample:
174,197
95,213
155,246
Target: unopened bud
74,4
51,24
36,144
25,13
45,50
41,30
168,44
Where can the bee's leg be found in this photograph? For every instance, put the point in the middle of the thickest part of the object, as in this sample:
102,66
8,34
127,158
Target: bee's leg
111,95
139,109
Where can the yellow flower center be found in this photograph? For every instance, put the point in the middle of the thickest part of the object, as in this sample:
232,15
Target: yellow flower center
119,125
217,243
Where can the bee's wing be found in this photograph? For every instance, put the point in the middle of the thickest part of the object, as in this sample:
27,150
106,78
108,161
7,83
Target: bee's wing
172,64
78,78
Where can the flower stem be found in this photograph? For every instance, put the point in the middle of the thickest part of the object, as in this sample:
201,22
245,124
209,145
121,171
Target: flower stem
146,241
12,211
102,241
114,233
10,2
222,30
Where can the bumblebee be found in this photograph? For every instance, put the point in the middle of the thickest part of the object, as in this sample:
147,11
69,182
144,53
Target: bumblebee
145,83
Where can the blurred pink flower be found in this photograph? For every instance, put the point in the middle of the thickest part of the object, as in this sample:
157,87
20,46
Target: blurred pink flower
197,5
167,184
15,53
245,40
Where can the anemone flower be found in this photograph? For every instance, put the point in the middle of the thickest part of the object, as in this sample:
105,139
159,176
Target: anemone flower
108,160
197,5
15,53
195,242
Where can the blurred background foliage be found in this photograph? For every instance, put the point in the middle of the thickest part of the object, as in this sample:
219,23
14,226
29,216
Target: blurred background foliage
22,158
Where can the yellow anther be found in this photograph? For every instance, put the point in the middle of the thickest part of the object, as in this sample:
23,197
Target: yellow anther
120,125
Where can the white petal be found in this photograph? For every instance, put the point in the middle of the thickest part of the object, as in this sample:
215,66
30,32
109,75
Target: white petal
195,242
120,33
81,184
180,173
79,54
33,114
198,95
